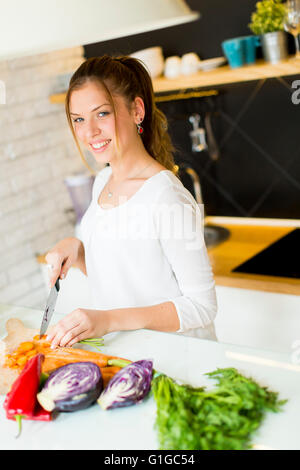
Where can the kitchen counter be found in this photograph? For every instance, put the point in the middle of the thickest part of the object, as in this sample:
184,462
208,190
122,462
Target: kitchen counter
183,358
248,236
253,310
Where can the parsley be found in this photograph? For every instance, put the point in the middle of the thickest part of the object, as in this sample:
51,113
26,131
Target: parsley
224,418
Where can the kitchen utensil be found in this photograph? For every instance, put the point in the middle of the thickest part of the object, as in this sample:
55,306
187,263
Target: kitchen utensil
153,59
50,306
213,149
197,134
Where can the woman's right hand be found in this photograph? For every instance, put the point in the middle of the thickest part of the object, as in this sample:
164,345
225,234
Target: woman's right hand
62,256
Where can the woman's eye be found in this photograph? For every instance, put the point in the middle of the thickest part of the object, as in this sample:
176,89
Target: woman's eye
103,113
77,120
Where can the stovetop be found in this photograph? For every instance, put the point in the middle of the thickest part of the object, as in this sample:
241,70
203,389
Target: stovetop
281,258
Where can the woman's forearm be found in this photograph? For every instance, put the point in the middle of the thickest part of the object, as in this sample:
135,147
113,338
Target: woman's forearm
84,323
160,317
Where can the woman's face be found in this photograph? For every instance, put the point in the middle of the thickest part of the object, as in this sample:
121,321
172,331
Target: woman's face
94,122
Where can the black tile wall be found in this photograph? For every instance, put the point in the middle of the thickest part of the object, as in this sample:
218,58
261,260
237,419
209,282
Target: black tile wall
255,124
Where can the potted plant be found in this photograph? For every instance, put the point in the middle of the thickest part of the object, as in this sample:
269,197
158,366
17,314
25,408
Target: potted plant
268,22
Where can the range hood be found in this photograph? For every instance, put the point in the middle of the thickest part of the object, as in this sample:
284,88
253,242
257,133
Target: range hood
38,26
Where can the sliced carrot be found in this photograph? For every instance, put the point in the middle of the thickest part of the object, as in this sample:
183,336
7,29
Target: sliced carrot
10,362
31,353
26,346
38,338
21,361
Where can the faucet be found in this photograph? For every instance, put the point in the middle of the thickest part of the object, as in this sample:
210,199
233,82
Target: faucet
196,183
213,234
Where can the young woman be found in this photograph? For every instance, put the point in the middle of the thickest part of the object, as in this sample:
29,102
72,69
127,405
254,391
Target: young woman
142,246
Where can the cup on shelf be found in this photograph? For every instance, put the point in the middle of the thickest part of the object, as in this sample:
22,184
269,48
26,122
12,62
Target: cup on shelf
250,43
189,63
241,51
172,66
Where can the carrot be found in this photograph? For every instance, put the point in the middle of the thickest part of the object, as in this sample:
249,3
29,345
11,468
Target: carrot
108,373
55,358
59,357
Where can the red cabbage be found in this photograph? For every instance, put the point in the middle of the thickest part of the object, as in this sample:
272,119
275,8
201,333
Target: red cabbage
128,386
71,387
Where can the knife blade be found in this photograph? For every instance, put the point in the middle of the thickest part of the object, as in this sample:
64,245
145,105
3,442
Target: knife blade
50,306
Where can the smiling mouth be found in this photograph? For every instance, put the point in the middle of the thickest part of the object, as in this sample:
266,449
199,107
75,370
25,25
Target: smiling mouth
100,145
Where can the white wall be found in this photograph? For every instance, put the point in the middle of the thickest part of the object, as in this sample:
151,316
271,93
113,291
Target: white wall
36,153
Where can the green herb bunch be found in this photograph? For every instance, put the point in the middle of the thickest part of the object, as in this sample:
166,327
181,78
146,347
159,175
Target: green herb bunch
268,17
225,418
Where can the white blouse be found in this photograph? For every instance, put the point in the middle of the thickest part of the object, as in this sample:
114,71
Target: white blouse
150,249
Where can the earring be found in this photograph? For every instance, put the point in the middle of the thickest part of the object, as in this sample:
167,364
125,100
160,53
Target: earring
140,129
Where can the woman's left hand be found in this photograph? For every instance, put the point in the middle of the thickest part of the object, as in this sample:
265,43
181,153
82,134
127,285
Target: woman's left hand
77,325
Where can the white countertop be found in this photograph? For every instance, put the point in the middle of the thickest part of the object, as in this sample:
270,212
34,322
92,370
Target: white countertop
180,357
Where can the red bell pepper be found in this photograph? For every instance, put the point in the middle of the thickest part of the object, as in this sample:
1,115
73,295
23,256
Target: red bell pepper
21,402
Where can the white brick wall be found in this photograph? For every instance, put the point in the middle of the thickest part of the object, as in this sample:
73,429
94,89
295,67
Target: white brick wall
36,153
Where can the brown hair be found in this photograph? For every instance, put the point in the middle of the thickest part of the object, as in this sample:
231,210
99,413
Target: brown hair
129,78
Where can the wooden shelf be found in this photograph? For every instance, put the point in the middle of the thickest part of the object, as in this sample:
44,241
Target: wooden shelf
225,75
217,77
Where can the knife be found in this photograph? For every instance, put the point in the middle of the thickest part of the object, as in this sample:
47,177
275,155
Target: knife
50,306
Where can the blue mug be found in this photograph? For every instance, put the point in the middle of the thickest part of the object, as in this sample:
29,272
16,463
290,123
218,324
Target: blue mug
240,51
250,43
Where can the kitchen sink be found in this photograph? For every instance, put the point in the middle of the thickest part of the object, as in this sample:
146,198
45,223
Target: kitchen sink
214,235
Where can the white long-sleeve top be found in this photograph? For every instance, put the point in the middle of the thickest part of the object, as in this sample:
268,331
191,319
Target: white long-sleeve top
150,249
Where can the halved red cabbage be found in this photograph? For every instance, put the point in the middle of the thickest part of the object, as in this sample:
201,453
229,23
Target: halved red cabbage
128,386
71,387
